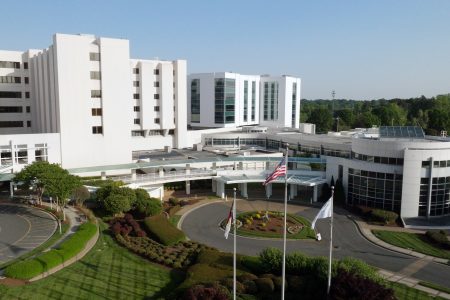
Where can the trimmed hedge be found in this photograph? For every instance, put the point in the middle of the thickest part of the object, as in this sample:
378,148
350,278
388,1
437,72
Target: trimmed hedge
439,238
33,267
385,216
160,227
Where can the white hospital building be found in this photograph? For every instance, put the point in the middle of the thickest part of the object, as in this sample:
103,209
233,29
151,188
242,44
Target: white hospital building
85,104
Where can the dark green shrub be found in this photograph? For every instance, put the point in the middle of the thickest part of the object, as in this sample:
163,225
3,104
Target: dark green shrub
385,216
174,201
358,268
212,292
296,263
253,263
25,269
349,286
271,260
295,283
265,285
250,287
439,238
159,227
278,283
228,283
246,276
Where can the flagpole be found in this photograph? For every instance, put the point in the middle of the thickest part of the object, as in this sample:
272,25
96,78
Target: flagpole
283,276
331,242
234,244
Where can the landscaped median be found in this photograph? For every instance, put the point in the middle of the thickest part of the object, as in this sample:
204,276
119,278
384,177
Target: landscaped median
45,262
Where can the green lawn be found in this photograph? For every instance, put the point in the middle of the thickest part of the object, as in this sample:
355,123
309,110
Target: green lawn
107,272
416,242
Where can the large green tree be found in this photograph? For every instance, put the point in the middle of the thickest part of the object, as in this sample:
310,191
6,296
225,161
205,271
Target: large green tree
323,118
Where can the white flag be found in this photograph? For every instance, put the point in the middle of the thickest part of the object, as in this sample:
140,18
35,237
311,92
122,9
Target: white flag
229,221
325,212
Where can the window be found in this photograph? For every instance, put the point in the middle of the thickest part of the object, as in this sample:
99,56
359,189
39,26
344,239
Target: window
9,79
156,120
6,124
136,108
40,152
136,83
136,96
27,95
174,85
156,108
10,64
96,75
27,80
96,111
156,84
156,96
245,100
155,132
94,56
137,133
21,154
156,71
137,121
97,129
28,123
25,65
10,94
96,93
171,132
135,70
28,109
10,109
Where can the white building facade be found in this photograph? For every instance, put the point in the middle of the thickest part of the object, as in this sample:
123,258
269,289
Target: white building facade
103,104
232,100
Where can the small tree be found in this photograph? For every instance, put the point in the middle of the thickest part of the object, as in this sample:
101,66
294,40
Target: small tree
146,205
339,193
81,194
116,203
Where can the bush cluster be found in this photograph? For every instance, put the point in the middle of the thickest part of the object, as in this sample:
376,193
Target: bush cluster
126,226
33,267
160,227
213,291
385,216
177,256
438,237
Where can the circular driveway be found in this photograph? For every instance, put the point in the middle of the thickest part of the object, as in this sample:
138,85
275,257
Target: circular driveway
202,225
22,229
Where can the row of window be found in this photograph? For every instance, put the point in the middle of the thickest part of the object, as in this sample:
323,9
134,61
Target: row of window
378,159
13,64
137,96
155,71
155,83
21,154
294,102
14,79
439,197
270,106
13,109
436,164
7,94
13,124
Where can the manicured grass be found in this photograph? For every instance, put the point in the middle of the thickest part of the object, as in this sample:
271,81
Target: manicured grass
413,241
51,241
435,286
109,271
160,228
404,292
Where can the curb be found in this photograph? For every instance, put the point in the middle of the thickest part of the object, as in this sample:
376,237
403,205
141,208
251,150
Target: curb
180,222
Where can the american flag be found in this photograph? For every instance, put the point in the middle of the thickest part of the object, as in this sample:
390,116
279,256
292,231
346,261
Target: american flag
280,170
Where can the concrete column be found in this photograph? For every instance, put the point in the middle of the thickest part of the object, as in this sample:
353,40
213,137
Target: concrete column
267,165
188,187
11,189
220,189
235,167
243,189
315,194
161,172
269,190
214,166
293,190
188,169
430,187
133,174
214,185
103,175
241,165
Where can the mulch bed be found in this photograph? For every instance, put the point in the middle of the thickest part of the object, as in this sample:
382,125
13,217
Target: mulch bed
13,282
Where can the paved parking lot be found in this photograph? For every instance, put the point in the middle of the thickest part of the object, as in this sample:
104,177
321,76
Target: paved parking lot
22,229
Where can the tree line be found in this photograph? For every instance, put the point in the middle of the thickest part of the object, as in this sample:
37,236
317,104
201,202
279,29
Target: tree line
432,114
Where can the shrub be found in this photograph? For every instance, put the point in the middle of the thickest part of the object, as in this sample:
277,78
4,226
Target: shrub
32,267
163,230
295,283
265,285
349,286
228,283
439,238
387,217
250,287
174,201
254,264
246,276
174,209
296,263
128,198
278,283
115,204
358,268
80,194
271,259
212,292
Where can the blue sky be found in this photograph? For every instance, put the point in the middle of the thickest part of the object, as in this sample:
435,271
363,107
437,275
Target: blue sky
361,49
